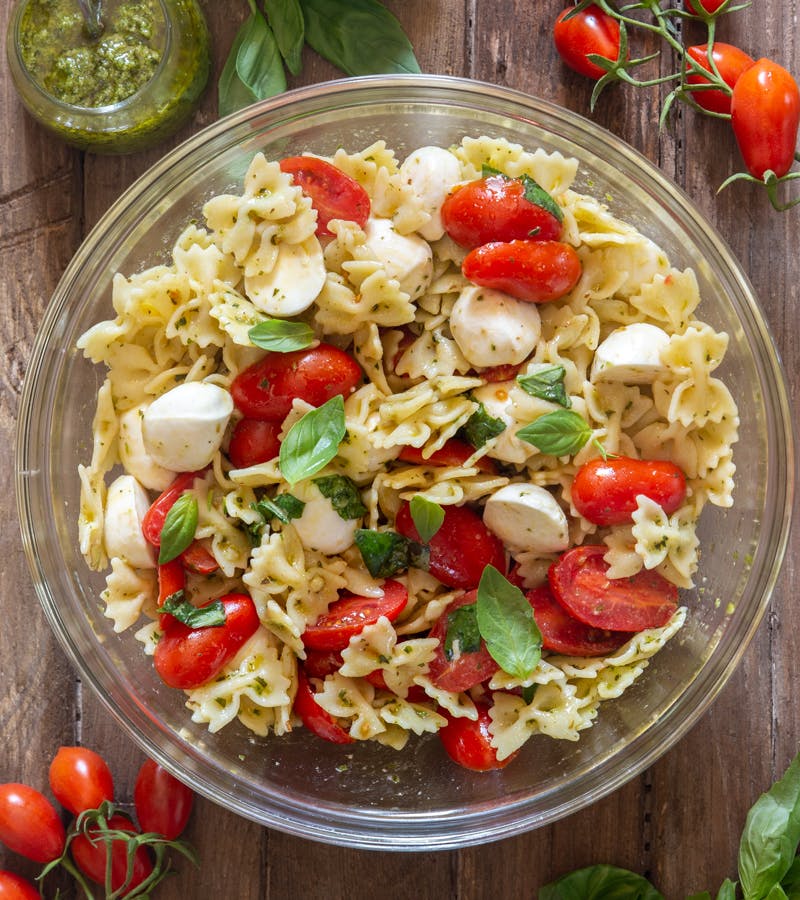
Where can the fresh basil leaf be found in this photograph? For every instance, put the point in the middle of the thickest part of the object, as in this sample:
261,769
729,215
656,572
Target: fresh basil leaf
361,37
601,882
546,383
487,171
463,634
427,517
506,622
312,441
286,19
480,427
529,692
212,614
777,893
727,890
385,553
343,494
536,194
178,529
281,336
232,94
771,835
791,880
284,508
559,433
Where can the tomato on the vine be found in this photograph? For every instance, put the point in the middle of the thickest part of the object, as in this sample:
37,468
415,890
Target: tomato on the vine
467,667
91,853
730,62
163,804
469,742
15,887
590,31
29,823
333,193
710,6
314,717
254,441
80,779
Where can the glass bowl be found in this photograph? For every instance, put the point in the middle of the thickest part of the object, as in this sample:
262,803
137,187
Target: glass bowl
367,796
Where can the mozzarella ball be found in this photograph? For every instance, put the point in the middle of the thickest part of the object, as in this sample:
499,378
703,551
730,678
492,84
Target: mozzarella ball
406,257
294,282
133,455
527,517
320,527
126,505
631,354
431,172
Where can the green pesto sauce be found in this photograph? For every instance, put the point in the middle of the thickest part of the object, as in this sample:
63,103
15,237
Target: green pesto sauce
81,72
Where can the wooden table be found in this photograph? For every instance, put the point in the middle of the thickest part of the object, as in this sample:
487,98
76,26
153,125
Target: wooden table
679,821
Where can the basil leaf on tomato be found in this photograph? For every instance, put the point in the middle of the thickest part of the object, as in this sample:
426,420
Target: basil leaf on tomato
385,553
559,433
427,517
286,19
343,494
463,634
601,882
546,383
505,619
212,614
536,194
312,441
281,336
179,528
480,427
284,508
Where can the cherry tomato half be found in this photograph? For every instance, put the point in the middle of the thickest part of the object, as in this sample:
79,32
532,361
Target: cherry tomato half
188,657
461,549
765,113
163,804
469,743
171,579
199,558
730,62
455,452
495,209
15,887
534,271
321,663
80,779
333,194
91,853
266,390
154,518
314,717
29,823
580,584
254,441
589,31
605,490
466,669
350,614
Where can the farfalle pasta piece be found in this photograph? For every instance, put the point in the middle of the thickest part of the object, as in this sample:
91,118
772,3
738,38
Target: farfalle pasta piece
128,594
660,537
351,699
669,298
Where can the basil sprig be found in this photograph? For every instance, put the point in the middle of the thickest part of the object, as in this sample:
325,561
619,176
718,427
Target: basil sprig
546,383
312,441
281,335
480,427
559,433
343,494
385,553
427,517
212,614
600,883
179,528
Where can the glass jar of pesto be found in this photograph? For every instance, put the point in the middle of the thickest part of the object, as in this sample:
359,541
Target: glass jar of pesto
122,91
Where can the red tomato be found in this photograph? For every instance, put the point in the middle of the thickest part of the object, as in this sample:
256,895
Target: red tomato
350,614
579,583
171,579
468,668
535,271
154,518
461,549
605,490
590,31
333,194
266,390
730,62
321,663
29,823
455,452
80,779
199,558
15,887
416,694
254,441
188,657
495,209
710,6
765,113
91,854
561,633
504,372
314,717
163,804
470,743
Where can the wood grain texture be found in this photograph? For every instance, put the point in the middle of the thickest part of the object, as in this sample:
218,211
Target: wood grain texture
680,820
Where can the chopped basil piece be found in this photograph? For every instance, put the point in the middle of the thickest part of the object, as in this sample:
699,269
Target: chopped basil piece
546,383
281,336
312,441
179,527
343,494
463,634
427,517
480,427
559,433
212,614
283,507
385,553
536,194
528,693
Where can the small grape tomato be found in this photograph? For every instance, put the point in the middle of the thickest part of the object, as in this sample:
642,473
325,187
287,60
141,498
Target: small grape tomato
730,62
29,823
589,31
15,887
469,743
80,779
90,854
314,717
333,194
163,804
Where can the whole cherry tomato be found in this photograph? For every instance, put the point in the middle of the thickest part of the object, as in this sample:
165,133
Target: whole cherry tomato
467,667
604,491
188,657
730,62
495,208
710,6
534,271
91,853
765,113
266,390
254,441
590,31
15,887
314,717
333,194
455,452
350,614
469,743
163,804
29,823
580,584
80,779
461,549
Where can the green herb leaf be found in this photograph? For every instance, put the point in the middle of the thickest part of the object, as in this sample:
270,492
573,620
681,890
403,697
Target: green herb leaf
559,433
212,614
487,170
463,634
771,835
427,517
361,37
343,494
546,383
281,336
791,880
727,890
480,427
312,441
385,553
179,527
600,883
286,19
284,508
506,622
529,692
536,194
